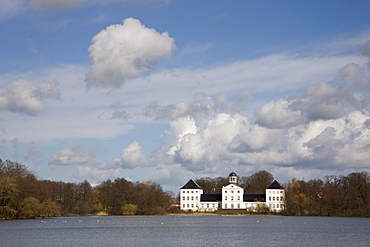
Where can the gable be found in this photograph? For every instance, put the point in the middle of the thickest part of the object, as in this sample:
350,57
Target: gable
275,185
191,185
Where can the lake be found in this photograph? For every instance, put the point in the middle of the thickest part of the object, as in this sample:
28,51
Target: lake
186,230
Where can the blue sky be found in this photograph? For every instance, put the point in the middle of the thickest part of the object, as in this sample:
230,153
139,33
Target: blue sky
172,90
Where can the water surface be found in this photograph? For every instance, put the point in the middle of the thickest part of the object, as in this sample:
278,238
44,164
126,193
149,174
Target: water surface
177,230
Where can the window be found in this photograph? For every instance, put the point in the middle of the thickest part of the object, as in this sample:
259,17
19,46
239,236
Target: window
192,205
269,198
232,191
238,191
225,191
281,192
187,205
183,197
238,198
192,191
207,205
238,205
277,205
196,192
192,198
232,198
187,198
225,205
281,198
273,198
196,198
232,205
187,192
225,198
183,205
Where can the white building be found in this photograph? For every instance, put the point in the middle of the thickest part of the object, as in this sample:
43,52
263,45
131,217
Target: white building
192,197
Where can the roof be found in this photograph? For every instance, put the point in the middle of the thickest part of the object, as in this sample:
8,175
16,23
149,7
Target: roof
232,174
210,197
254,197
275,185
191,185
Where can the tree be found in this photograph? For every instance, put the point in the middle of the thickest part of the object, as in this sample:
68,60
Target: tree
49,208
30,208
8,197
257,182
296,201
129,209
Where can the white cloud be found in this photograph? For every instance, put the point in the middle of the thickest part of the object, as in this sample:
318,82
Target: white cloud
132,156
95,175
23,97
230,140
72,155
124,51
277,115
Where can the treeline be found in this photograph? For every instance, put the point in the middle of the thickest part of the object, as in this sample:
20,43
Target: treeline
23,196
254,184
331,196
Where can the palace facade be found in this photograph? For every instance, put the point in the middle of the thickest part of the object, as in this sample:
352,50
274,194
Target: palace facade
192,197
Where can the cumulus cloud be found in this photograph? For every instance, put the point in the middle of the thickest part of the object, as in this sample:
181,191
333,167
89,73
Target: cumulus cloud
201,105
96,175
322,101
72,155
231,141
23,97
278,114
132,156
124,51
325,127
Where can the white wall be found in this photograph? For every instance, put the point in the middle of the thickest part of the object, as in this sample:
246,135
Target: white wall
232,197
275,199
190,199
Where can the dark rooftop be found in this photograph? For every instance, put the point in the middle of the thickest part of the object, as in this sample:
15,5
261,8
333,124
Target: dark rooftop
275,185
191,185
232,174
254,197
211,197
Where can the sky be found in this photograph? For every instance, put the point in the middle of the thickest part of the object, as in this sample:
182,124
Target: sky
167,90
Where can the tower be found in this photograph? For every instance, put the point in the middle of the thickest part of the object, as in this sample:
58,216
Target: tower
233,178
